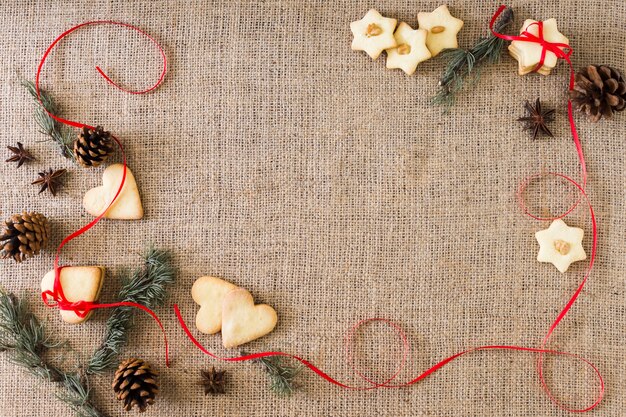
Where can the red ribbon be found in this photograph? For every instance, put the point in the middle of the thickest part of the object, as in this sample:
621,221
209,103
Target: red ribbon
56,297
562,51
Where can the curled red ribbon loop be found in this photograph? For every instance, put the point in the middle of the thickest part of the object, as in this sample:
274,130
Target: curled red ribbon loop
56,297
562,51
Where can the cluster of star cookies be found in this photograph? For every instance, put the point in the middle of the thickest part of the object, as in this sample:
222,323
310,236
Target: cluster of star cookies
528,54
406,47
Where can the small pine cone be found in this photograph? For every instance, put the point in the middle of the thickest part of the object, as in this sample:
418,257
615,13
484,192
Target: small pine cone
135,384
599,91
24,236
92,147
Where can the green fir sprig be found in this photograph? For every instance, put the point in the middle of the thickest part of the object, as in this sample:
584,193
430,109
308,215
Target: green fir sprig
146,286
24,337
281,373
61,135
463,64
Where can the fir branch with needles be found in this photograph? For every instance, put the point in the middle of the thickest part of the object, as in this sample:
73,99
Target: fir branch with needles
281,373
146,286
463,65
61,135
24,338
76,396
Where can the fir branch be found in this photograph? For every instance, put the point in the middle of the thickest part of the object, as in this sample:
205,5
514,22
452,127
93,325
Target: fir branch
61,135
280,373
24,337
463,64
77,396
146,286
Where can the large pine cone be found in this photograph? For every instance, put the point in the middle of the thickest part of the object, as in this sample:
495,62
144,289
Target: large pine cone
135,384
93,146
599,91
24,235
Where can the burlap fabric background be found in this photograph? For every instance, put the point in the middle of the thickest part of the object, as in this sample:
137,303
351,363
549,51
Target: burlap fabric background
276,157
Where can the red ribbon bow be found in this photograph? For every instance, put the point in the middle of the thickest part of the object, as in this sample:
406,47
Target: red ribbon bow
561,50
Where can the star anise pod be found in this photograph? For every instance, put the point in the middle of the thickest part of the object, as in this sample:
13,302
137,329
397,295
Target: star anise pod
537,119
20,155
213,381
50,180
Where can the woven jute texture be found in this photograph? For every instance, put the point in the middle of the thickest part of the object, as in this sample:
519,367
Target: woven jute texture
327,185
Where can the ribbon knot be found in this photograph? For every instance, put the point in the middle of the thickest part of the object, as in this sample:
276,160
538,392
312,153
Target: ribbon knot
561,50
56,298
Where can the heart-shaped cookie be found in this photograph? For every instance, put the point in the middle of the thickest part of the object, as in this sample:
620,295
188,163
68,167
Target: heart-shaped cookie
127,206
209,293
243,321
79,283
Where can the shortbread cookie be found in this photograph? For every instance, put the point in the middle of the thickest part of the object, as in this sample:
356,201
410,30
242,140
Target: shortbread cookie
127,206
242,321
411,49
373,34
79,283
442,29
561,245
525,70
528,54
209,293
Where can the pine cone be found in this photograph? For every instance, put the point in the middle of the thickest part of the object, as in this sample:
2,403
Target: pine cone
599,91
135,384
24,235
92,147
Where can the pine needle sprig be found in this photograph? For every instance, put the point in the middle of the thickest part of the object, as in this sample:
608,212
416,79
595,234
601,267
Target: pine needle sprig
463,64
77,396
24,337
146,286
281,373
61,135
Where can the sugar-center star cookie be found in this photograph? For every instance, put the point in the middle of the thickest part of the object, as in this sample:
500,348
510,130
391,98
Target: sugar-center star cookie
560,245
411,49
442,29
373,34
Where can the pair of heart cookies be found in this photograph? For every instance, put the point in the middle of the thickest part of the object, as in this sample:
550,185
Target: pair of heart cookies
230,309
127,206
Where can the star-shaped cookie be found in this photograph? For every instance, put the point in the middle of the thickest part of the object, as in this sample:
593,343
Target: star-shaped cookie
411,49
560,245
373,34
528,54
442,29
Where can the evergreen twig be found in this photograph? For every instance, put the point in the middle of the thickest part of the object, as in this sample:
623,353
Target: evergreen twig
61,135
25,338
463,63
281,373
77,396
145,286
